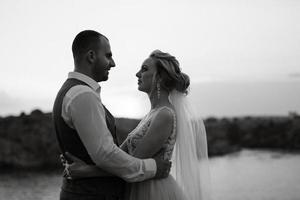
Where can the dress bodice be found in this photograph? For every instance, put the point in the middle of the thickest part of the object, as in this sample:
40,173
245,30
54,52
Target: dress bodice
135,136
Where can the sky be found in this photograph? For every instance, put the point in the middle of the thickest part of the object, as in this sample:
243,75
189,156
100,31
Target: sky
243,57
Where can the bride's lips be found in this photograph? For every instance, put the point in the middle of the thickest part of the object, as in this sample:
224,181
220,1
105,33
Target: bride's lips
139,82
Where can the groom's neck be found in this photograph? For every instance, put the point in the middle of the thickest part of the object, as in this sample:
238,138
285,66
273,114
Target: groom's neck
83,70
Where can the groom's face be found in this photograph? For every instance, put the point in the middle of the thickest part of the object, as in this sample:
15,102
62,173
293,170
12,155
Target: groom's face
104,60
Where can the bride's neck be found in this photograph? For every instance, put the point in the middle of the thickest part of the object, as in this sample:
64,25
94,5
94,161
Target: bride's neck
156,102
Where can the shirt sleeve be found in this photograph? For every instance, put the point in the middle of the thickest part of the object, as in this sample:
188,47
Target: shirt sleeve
88,118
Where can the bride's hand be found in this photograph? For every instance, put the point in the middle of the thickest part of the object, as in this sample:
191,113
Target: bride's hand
74,167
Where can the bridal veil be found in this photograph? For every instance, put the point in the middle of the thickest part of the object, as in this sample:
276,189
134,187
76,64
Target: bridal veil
190,166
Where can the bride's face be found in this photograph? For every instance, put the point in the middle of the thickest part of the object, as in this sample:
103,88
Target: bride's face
145,75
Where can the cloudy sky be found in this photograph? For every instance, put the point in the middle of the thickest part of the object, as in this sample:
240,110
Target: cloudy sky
243,56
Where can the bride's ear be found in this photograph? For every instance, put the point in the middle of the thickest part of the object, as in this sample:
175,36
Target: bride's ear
158,77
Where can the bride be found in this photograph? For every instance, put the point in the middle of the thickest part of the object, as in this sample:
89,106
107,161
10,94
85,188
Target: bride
171,130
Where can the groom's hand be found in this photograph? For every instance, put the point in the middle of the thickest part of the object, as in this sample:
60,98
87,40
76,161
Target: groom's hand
163,168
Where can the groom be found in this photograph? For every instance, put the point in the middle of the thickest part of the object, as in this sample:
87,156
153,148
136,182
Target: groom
86,129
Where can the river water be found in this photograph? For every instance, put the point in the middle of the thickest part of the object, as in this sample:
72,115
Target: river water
246,175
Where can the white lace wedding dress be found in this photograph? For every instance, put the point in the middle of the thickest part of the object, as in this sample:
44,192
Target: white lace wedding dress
154,189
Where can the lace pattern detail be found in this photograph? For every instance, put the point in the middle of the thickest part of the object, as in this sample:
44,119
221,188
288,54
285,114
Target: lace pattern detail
140,131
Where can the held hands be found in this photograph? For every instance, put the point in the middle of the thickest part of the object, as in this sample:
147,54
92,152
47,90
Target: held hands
163,168
74,167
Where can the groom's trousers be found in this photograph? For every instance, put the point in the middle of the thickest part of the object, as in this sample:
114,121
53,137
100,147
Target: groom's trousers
65,195
102,188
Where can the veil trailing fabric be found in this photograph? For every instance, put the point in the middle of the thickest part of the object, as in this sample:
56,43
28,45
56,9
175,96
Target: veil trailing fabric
190,165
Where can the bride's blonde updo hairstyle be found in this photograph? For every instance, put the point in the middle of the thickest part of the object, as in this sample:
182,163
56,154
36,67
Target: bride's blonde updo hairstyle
169,72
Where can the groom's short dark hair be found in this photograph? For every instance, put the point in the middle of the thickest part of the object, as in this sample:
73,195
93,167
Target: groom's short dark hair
84,41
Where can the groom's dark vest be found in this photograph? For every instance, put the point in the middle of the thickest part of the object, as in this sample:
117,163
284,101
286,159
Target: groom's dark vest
69,141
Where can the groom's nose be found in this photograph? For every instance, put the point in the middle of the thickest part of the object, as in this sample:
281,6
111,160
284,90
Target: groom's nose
112,63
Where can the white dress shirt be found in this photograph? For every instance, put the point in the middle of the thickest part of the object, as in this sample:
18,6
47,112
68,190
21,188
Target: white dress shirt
82,110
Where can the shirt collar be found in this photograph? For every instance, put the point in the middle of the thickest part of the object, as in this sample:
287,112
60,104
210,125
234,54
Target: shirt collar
86,79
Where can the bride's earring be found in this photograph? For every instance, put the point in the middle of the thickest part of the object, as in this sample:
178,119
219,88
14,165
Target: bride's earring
158,90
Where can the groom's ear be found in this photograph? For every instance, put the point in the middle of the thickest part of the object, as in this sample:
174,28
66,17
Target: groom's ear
91,56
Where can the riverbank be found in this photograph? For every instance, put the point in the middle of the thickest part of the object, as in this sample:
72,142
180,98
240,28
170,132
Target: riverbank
29,142
247,174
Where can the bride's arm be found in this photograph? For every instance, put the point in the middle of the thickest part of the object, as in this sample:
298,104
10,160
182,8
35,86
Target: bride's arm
79,169
160,129
123,146
158,132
